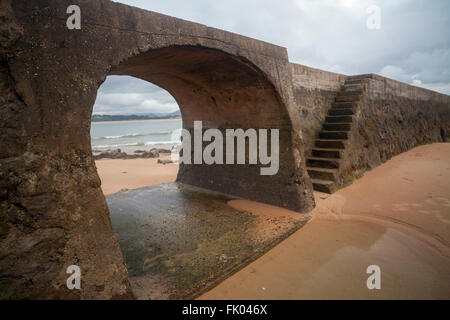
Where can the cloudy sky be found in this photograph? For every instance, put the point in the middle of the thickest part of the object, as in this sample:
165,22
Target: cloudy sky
412,43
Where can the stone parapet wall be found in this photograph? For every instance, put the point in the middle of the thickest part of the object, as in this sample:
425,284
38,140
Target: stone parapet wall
393,117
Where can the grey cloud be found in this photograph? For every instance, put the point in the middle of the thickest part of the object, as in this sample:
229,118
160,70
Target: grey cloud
116,84
128,95
412,45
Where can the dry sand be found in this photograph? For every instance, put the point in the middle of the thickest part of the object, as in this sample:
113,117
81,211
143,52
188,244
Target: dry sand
117,175
397,217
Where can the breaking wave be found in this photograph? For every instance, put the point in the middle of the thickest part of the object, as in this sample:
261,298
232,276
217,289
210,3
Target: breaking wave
133,135
138,144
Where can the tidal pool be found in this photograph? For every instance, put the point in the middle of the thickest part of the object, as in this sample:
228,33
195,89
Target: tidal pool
177,241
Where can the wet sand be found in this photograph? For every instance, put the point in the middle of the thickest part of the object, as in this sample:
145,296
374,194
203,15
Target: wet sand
395,217
328,260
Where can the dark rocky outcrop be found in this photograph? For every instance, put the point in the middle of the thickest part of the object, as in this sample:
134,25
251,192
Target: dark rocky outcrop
163,161
118,154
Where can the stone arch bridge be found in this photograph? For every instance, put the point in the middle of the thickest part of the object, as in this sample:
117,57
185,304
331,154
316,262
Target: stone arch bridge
53,213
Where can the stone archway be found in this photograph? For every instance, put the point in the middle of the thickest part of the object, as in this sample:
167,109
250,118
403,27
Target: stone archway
53,211
224,92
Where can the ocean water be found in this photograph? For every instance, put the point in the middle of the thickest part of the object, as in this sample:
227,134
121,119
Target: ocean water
130,136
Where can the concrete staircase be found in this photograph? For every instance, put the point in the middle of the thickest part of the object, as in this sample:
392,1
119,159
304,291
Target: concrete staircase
324,163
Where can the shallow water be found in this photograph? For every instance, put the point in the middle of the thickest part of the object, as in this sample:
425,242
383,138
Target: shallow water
177,240
328,260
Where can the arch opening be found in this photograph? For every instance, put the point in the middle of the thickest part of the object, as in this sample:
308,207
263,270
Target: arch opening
223,92
134,120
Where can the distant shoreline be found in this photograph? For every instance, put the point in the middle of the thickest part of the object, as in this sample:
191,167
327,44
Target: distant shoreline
146,120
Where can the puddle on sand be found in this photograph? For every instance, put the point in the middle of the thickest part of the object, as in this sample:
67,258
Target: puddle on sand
177,240
328,259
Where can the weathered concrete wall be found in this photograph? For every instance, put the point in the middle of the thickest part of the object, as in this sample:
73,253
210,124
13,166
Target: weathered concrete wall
393,117
53,212
314,92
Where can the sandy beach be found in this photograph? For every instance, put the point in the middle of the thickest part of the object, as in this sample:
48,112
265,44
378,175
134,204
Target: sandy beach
397,217
118,174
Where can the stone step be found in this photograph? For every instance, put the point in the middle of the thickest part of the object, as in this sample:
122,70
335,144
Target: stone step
353,87
323,185
327,153
333,135
339,119
348,98
322,173
344,105
344,93
337,126
341,112
329,149
354,82
350,91
316,162
330,144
